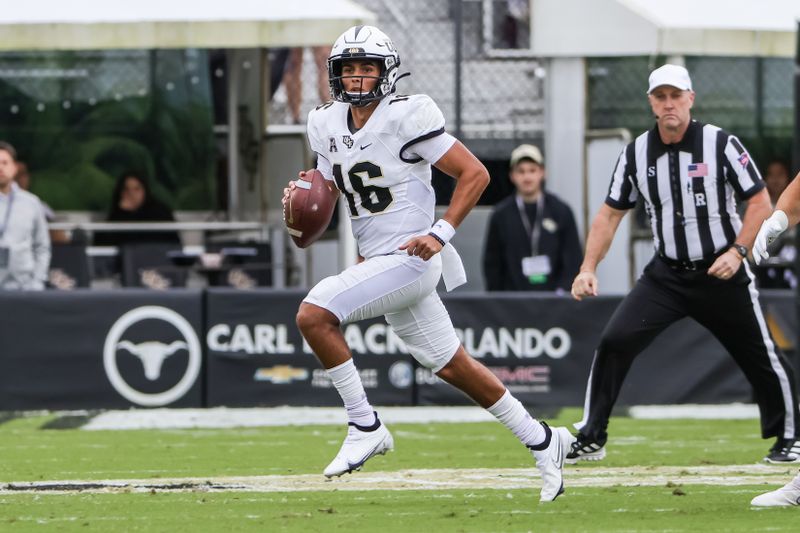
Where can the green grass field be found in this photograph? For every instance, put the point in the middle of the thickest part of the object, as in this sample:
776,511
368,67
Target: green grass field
677,501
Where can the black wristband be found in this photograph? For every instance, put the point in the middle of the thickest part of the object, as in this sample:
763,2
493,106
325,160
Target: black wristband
432,234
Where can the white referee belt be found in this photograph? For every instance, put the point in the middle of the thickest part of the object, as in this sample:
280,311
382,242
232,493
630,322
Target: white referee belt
453,272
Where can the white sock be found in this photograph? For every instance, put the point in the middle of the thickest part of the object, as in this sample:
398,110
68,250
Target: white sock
515,417
347,381
796,482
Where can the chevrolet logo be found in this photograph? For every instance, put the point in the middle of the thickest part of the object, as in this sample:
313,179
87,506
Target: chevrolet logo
281,374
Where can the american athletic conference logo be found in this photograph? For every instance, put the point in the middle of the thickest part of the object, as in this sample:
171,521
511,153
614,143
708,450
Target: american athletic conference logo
152,355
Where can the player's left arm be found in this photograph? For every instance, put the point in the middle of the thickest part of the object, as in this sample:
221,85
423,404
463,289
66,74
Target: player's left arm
787,213
471,180
789,201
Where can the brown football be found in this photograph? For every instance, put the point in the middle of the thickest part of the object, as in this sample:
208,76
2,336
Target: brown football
309,209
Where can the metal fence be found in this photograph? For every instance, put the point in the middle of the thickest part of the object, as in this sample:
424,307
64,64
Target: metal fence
498,99
750,97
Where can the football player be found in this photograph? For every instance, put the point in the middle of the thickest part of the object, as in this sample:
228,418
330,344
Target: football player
378,147
787,213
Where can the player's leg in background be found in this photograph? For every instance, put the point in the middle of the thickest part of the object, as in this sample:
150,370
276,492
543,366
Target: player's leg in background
292,82
644,313
733,314
428,333
321,54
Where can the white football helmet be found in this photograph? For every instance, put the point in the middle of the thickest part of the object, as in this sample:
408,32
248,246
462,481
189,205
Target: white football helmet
363,42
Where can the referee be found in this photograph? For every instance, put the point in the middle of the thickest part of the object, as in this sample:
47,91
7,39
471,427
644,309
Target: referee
687,173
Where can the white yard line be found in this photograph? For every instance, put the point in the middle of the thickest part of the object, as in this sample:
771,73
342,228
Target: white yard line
224,417
442,479
733,411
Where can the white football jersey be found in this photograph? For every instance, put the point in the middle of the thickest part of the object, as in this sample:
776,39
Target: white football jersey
386,184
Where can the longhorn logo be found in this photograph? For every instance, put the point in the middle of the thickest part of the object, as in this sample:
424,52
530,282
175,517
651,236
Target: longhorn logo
152,354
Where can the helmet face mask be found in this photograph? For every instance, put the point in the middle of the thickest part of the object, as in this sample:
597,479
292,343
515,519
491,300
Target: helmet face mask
365,43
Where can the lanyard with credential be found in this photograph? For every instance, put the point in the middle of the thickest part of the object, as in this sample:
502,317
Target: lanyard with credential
535,231
8,213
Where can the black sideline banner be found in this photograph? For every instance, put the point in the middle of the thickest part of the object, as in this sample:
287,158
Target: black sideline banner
183,348
100,349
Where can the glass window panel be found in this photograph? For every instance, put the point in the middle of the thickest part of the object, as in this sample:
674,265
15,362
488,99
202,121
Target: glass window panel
80,119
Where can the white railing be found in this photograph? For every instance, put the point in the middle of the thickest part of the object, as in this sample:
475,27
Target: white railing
159,226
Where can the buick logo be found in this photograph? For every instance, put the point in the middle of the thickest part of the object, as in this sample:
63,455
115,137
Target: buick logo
401,374
152,355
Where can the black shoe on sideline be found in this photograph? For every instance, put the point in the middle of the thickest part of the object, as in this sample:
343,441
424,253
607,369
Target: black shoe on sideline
784,451
586,449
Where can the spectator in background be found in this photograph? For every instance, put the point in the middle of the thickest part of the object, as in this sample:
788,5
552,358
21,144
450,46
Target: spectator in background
777,179
292,78
23,179
532,242
24,243
516,24
132,201
778,273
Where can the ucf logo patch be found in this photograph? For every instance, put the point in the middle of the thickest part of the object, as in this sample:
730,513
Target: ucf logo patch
348,141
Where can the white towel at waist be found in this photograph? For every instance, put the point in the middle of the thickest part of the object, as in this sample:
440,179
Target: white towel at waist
453,272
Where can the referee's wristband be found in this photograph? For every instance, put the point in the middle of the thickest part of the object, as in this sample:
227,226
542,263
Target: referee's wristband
442,231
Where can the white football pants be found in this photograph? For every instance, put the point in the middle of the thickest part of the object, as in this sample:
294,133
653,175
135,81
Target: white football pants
403,289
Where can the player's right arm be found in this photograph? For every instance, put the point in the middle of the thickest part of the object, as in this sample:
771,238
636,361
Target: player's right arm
601,234
293,185
787,214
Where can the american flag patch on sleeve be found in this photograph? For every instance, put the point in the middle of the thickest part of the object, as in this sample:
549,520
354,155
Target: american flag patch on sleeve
698,170
744,159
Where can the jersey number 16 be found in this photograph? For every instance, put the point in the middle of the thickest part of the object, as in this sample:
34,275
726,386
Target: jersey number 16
373,198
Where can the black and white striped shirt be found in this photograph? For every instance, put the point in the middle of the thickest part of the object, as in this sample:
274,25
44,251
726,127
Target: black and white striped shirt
688,188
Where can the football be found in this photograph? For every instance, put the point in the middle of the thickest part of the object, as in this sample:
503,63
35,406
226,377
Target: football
309,209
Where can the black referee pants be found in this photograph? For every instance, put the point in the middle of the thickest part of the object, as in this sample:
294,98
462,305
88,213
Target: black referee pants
728,308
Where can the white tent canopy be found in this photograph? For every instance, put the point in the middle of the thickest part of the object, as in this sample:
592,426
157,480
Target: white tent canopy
593,28
118,24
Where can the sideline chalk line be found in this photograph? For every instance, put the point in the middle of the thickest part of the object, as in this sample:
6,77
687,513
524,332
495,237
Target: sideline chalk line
423,479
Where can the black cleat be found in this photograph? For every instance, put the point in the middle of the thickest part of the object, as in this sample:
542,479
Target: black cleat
784,451
586,449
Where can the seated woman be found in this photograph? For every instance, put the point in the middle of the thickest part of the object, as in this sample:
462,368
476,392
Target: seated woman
133,202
